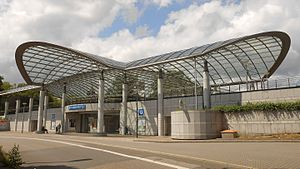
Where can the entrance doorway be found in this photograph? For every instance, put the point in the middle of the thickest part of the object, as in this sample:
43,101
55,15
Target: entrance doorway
167,125
33,125
88,123
112,123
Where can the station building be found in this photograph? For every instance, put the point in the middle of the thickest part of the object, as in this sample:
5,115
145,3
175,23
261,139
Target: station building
101,95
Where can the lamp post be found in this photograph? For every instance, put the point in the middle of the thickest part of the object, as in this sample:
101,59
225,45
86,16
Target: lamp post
24,105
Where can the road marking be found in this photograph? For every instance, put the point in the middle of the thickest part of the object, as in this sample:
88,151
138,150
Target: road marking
163,153
106,151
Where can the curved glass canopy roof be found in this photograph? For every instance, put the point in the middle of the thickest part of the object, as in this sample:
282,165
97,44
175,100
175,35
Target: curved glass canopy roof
234,61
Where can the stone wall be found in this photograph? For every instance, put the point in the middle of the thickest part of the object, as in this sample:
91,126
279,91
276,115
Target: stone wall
261,123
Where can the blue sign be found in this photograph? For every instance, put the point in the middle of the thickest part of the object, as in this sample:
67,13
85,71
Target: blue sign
77,107
53,116
141,112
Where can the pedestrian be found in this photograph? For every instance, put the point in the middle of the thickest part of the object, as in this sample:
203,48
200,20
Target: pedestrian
58,128
44,130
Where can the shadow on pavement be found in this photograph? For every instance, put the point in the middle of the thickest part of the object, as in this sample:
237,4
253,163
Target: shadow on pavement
70,161
47,164
48,167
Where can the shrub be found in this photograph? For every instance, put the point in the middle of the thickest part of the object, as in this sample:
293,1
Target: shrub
13,158
260,106
2,155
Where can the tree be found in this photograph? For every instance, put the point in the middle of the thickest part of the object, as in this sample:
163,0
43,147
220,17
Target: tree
133,81
1,83
175,82
6,85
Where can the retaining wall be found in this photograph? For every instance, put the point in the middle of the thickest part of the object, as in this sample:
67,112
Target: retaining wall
262,123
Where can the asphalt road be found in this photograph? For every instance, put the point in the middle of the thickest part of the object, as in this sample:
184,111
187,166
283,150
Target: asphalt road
49,151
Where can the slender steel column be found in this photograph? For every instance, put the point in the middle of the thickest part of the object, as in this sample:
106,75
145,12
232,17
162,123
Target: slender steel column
100,120
63,116
123,115
160,104
18,104
206,87
6,105
40,110
30,114
195,75
45,110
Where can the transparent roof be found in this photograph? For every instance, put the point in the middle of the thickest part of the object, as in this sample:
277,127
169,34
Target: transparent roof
230,62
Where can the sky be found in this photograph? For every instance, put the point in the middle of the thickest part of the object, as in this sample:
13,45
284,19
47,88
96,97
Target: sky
126,30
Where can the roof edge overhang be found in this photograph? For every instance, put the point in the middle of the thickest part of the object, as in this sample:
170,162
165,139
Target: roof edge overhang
21,49
284,37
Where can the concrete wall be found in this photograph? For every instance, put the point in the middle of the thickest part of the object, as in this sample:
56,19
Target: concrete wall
172,104
275,95
191,124
50,124
259,123
150,110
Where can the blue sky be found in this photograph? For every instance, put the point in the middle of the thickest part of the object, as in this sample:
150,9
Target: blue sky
152,16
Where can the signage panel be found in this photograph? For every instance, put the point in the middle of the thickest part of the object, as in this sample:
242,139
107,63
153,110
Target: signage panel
141,112
77,107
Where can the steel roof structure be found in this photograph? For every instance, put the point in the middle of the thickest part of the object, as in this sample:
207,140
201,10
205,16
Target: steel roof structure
234,61
19,89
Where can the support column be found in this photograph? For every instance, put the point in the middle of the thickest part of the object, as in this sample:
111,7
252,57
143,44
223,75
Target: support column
100,118
45,110
6,105
18,104
30,114
40,110
63,98
160,104
195,89
123,115
206,87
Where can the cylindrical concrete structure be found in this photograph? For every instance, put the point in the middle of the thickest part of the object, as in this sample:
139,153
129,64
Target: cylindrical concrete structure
63,116
40,110
206,87
6,105
30,114
100,118
18,104
123,115
45,110
160,105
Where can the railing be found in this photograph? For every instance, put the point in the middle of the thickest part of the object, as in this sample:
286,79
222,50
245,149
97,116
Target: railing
266,84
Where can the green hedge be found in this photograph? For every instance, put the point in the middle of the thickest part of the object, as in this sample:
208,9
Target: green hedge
260,106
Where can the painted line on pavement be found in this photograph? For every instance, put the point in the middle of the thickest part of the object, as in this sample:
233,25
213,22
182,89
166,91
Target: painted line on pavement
163,153
102,150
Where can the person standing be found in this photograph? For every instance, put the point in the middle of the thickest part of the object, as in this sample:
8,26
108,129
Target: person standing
58,128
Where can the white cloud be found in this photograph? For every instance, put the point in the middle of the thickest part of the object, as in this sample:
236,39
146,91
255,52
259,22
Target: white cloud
162,3
142,31
58,21
201,24
78,24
